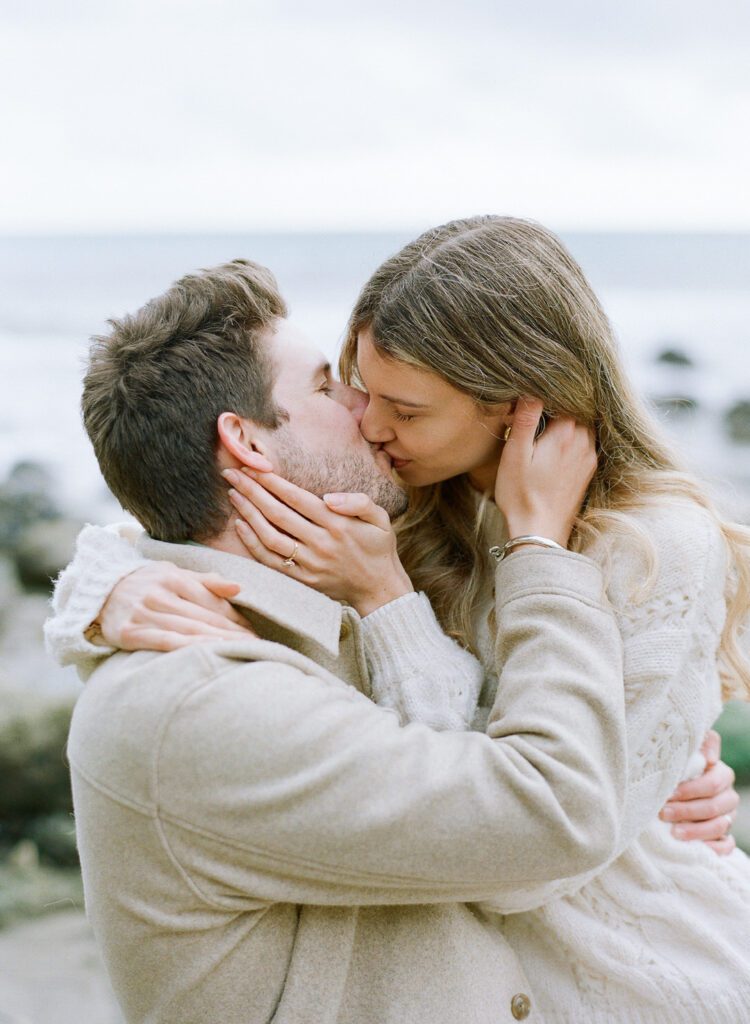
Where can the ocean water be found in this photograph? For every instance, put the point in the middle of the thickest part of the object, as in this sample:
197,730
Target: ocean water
690,292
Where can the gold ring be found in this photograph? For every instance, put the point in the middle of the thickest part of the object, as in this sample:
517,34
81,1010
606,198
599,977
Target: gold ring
290,561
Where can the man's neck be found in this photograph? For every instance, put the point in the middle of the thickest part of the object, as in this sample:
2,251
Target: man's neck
229,542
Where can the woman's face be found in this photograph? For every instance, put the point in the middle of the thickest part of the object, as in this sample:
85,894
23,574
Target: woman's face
431,430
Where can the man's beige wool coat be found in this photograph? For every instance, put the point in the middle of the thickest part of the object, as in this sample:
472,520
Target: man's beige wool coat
260,842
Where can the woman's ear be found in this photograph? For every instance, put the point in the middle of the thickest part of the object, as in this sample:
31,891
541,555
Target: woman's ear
496,417
236,445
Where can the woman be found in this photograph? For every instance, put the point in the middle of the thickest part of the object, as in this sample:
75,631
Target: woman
445,336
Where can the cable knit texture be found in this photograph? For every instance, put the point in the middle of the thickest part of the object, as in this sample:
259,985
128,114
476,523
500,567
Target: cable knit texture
662,932
442,693
103,556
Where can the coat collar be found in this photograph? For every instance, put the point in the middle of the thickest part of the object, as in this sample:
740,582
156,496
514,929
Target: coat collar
289,604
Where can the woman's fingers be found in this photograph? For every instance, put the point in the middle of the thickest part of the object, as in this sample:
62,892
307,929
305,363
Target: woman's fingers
714,781
297,498
257,550
248,495
195,589
298,512
160,589
525,422
189,610
359,506
576,443
711,748
177,625
263,490
256,461
276,540
721,804
715,829
702,810
219,586
723,846
705,808
540,485
155,639
200,589
255,546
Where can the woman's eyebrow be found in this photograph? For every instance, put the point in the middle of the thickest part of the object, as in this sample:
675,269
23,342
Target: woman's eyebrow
403,401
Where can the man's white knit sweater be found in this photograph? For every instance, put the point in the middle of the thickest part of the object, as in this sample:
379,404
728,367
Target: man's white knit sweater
661,933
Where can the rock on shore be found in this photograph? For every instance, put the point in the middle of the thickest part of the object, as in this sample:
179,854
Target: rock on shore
35,534
737,421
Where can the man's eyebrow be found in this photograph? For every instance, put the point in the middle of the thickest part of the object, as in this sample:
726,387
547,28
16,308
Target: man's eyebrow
321,368
403,401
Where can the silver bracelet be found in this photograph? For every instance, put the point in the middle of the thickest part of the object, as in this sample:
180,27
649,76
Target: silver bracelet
499,553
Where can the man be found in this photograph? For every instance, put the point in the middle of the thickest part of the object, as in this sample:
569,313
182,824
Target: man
258,839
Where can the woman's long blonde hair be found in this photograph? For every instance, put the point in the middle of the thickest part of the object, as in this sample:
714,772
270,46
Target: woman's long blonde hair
498,308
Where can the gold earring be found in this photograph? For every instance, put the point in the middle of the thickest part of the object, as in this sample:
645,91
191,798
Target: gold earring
506,432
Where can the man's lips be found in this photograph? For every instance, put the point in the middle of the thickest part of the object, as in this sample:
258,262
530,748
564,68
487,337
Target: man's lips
382,454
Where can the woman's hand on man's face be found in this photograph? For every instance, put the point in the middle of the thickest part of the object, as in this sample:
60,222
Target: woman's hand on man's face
343,546
161,607
541,484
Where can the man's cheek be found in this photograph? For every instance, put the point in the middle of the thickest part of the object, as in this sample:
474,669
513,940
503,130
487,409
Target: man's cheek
347,429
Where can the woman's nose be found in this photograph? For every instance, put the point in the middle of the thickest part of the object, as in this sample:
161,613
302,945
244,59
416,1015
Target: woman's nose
373,428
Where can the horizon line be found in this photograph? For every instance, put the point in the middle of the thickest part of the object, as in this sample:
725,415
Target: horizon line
48,235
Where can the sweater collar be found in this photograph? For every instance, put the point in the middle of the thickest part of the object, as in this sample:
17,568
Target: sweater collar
276,597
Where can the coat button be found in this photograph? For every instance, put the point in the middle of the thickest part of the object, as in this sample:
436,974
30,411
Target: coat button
520,1006
345,631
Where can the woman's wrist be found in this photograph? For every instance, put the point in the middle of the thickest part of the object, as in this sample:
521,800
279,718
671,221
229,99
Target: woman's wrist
499,552
381,593
556,531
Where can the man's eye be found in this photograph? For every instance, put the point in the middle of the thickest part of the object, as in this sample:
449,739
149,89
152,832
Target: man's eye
325,388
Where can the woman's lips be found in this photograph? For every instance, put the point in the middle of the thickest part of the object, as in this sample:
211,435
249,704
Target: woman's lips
399,463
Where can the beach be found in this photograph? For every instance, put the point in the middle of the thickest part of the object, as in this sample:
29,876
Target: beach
681,309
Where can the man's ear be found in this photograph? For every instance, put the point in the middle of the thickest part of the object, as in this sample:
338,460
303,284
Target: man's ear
237,445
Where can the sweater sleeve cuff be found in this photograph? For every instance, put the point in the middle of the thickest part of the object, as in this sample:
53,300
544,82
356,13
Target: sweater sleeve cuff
102,558
397,632
533,571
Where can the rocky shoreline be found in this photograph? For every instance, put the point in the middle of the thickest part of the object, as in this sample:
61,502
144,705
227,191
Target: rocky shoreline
43,933
38,859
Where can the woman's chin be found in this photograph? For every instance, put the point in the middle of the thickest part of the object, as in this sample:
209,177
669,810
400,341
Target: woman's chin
414,475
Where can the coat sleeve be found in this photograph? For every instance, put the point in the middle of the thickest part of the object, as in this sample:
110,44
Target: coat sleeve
279,786
103,556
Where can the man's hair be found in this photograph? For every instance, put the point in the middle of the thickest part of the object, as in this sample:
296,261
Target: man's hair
157,383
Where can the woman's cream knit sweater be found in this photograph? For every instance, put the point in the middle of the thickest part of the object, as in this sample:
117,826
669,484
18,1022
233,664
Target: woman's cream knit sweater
660,934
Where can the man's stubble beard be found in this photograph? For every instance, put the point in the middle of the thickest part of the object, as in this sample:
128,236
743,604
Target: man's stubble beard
324,473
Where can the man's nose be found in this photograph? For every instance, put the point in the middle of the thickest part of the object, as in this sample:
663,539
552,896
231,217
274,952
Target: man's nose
354,400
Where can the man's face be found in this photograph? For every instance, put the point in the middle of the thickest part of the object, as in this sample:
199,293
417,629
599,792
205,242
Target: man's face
320,448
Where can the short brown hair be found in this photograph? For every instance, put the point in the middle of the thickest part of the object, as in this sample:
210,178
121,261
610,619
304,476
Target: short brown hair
157,383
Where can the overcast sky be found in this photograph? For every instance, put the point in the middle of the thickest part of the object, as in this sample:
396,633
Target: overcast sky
179,115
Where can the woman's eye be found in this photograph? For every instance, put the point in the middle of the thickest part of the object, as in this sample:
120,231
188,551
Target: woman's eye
403,419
